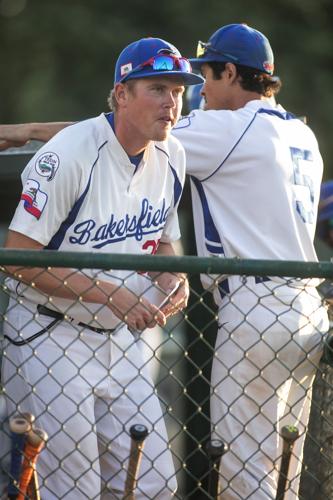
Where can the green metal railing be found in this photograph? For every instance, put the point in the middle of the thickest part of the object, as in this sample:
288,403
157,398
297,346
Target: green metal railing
190,264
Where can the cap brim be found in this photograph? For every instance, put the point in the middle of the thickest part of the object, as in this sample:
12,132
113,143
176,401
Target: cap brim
188,78
196,63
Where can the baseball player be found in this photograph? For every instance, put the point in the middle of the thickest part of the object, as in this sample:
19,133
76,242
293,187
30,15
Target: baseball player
255,173
108,184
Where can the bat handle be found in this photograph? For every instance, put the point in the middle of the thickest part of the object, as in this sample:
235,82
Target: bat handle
138,434
289,434
215,449
33,487
19,426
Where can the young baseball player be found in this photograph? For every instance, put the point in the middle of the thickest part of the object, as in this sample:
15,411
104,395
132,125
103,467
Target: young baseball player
255,175
108,184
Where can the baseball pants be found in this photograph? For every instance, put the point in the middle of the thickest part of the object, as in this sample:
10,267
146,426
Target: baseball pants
267,349
86,390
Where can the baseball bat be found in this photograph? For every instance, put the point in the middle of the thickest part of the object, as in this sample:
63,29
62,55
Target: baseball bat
138,434
214,449
19,425
36,439
33,487
289,434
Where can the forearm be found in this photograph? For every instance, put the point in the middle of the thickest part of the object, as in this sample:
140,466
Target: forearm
71,284
166,249
19,134
65,283
44,131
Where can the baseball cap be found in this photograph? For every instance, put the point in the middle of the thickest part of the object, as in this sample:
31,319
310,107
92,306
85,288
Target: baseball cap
239,44
153,57
193,97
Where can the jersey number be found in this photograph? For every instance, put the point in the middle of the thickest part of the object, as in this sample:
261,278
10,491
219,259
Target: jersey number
152,245
301,159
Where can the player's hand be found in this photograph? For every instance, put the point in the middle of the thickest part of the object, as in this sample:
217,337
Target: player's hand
177,288
13,136
137,312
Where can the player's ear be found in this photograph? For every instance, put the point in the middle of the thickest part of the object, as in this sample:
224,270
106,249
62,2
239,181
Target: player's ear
230,72
120,94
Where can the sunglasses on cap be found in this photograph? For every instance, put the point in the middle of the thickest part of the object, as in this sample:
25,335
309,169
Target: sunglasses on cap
203,47
163,62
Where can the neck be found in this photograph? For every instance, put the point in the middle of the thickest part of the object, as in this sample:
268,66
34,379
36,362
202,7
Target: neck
244,97
129,137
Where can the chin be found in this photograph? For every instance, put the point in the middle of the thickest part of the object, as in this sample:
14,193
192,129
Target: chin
162,135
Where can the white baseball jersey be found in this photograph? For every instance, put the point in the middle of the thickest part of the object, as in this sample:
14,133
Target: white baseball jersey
82,193
255,180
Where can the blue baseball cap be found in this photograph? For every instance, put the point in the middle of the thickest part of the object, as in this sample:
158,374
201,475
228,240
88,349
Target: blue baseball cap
193,97
239,44
144,58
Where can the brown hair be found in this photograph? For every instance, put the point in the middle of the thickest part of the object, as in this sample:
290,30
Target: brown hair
112,101
251,79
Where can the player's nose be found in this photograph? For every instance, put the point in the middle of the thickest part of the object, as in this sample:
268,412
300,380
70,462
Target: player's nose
170,101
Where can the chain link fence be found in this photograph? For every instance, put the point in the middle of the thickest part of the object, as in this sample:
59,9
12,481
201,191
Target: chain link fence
57,366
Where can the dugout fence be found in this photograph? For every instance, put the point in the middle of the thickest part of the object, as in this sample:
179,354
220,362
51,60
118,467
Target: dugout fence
180,356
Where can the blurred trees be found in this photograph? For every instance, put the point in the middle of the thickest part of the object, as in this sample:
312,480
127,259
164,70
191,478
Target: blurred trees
57,56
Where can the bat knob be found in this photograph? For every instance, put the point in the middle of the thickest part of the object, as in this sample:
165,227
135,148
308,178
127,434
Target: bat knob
28,416
289,433
215,448
138,432
37,436
19,425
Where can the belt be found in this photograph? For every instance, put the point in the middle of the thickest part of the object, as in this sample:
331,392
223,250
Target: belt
45,311
225,289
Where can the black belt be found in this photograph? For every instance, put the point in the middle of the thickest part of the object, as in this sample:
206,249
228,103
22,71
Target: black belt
225,289
45,311
57,317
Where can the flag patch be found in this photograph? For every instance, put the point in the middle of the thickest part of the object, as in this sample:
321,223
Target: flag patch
34,199
125,68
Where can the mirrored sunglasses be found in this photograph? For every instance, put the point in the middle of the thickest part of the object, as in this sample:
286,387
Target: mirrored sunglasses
163,62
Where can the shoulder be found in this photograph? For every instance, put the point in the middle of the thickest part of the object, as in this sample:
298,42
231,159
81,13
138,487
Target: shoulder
81,139
202,121
71,151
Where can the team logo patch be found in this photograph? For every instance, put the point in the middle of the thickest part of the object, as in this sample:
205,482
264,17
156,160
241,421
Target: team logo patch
125,68
34,199
47,164
268,66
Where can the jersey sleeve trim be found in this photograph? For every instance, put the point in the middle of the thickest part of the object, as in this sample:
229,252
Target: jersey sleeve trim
279,114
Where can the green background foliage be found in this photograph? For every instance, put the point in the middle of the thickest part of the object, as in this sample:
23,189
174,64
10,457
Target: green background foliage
57,56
